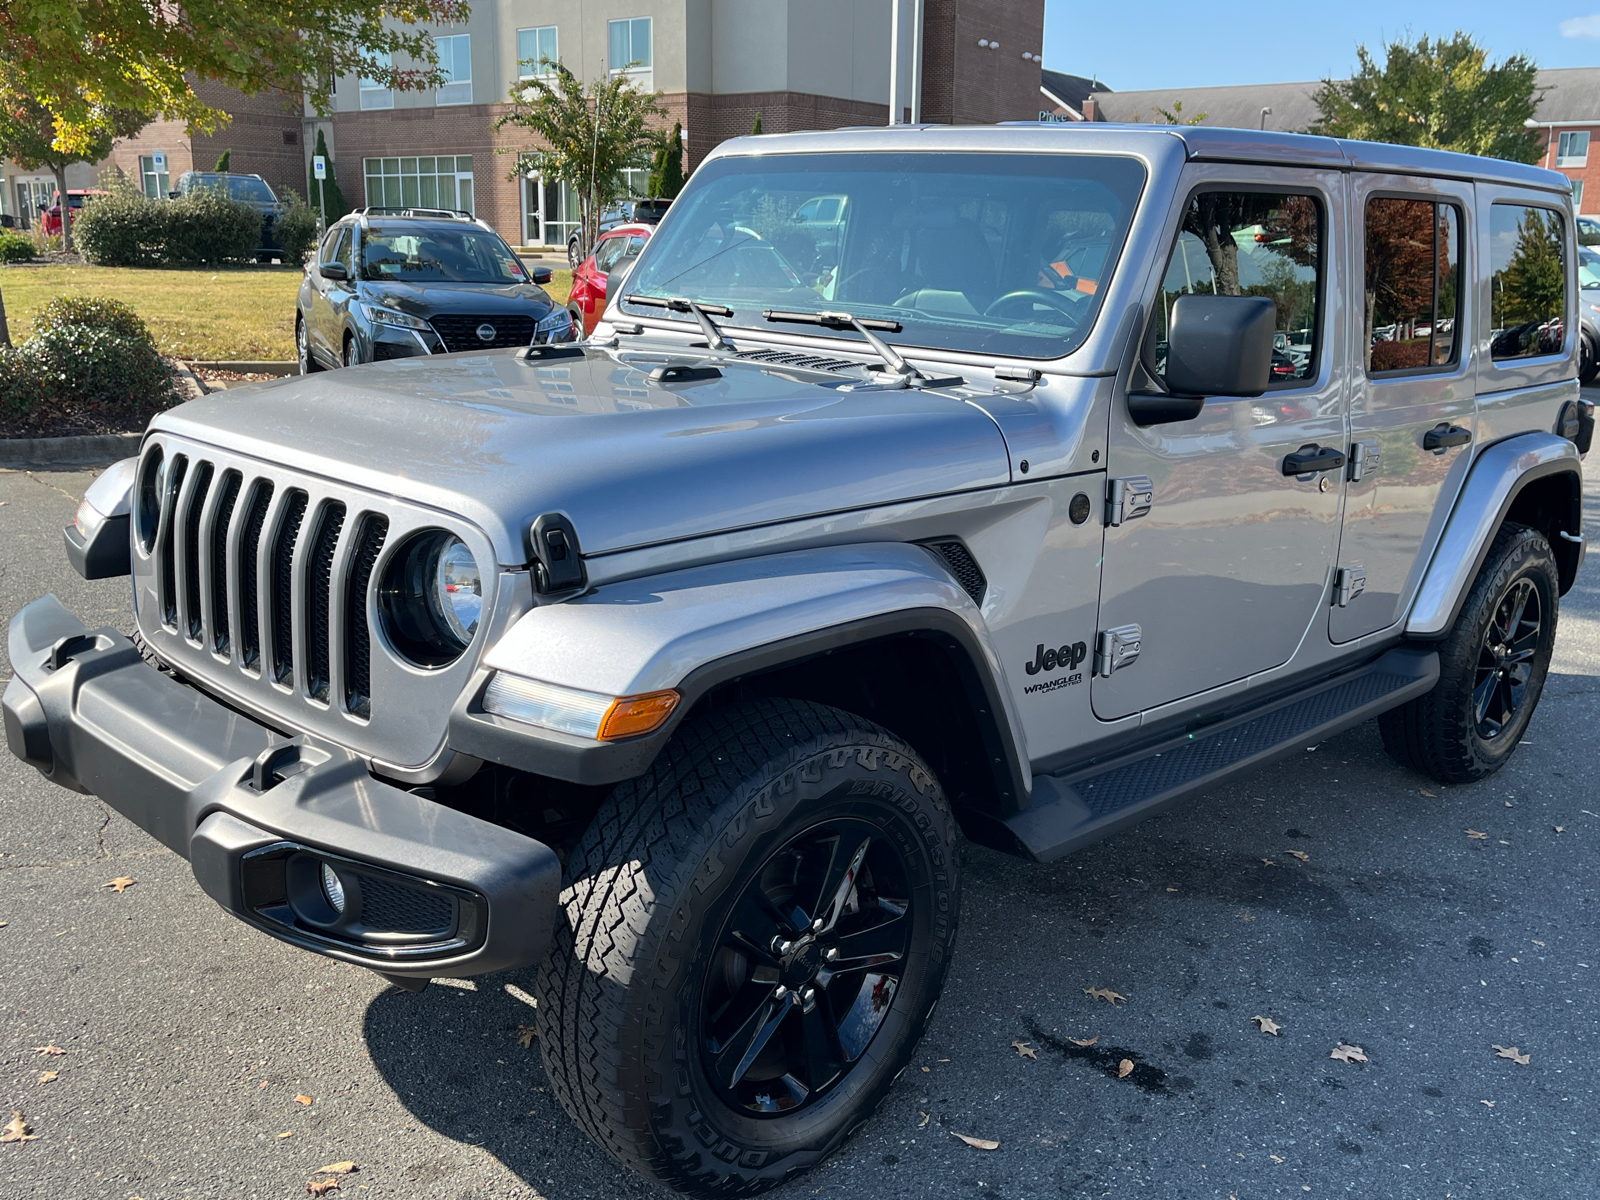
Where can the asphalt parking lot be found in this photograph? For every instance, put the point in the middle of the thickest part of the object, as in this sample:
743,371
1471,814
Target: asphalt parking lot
1336,894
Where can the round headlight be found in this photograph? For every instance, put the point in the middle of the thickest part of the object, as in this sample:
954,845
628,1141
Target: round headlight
432,598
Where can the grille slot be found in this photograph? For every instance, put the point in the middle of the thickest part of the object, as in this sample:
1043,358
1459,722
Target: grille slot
191,550
169,567
963,566
319,580
288,535
459,331
249,582
357,639
229,496
389,907
787,358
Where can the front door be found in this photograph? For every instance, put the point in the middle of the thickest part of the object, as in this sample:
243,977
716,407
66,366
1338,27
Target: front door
1230,567
1412,407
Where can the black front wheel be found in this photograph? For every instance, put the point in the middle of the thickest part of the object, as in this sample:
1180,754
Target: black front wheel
1492,667
756,932
302,346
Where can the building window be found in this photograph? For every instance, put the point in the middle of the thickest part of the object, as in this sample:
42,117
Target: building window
1577,195
443,181
156,184
629,44
538,52
373,92
1572,148
455,62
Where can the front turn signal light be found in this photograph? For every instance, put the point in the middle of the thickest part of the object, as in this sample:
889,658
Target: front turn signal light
635,715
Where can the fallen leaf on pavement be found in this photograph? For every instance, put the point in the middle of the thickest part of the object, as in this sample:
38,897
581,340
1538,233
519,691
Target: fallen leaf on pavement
976,1143
1125,1068
302,1099
926,1117
1300,854
526,1034
1024,1050
1172,889
120,884
1476,836
1513,1054
338,1168
1537,942
1269,862
49,1076
1427,793
287,1134
1559,828
1276,1158
1267,1025
1348,1054
1105,994
18,1130
1487,1103
53,1050
321,1187
1084,1041
927,1070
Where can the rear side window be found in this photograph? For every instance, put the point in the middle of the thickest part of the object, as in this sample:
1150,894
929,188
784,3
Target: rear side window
1528,284
1252,244
1413,284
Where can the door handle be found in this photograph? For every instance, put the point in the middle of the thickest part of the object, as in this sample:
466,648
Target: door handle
1312,458
1443,436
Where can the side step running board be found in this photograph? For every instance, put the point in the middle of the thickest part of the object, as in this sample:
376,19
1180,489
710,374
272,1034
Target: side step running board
1073,810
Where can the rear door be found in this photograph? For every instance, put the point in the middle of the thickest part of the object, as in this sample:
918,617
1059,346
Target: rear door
1229,568
1412,409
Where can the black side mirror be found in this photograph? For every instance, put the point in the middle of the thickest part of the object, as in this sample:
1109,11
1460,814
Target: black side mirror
1216,346
333,270
172,195
543,274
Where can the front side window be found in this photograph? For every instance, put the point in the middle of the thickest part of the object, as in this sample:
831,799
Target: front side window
346,252
329,241
1572,148
1413,284
628,43
611,249
994,253
1528,281
455,63
1251,244
374,94
437,255
538,52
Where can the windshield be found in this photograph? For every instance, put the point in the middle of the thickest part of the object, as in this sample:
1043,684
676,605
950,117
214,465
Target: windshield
240,187
1588,267
412,255
999,253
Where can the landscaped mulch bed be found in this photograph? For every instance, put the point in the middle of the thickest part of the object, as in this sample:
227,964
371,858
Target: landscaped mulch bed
75,420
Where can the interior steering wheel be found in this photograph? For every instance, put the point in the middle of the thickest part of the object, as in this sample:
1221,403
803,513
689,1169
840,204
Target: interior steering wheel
1066,303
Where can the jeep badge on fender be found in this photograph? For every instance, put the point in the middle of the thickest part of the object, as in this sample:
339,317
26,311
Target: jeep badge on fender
1071,657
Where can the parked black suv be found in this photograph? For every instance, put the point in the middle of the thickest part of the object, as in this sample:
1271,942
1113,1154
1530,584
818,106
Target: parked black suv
401,283
249,189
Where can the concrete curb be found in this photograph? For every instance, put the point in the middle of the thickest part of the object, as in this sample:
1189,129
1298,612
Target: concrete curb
247,368
82,448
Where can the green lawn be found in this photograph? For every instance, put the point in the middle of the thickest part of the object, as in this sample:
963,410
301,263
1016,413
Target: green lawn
224,313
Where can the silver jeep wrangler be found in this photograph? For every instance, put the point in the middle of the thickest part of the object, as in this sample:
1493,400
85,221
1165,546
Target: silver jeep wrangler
1061,473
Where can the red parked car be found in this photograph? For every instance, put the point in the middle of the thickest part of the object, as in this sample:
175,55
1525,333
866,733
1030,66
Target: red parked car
615,248
76,198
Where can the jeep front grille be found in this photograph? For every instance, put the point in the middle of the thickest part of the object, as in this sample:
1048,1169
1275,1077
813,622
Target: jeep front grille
261,583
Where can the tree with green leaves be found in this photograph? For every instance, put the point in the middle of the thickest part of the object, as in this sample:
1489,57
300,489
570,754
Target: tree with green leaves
1440,93
590,136
1174,115
320,191
756,128
666,165
224,162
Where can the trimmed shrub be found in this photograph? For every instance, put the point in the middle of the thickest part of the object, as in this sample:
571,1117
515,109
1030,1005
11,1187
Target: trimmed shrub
16,247
94,312
207,226
100,369
22,390
124,229
295,229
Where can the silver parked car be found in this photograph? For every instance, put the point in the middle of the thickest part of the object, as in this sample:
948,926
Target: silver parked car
1077,469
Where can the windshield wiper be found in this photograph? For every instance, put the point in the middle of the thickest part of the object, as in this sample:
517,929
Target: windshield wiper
684,304
905,374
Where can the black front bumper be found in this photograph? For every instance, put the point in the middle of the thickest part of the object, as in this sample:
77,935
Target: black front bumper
427,891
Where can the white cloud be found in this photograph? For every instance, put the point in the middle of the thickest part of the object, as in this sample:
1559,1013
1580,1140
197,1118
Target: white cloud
1581,27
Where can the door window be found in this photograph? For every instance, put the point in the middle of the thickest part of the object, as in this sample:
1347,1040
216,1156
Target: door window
330,244
1413,284
346,252
610,250
1251,244
1528,281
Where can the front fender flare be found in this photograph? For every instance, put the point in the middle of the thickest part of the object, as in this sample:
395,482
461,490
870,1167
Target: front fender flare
697,628
1500,473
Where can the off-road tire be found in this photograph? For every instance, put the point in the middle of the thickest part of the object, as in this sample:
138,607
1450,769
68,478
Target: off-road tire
644,895
1437,733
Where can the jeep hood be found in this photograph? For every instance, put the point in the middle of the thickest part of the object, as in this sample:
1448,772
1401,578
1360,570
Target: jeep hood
500,440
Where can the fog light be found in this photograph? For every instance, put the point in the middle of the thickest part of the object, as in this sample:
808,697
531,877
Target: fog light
332,888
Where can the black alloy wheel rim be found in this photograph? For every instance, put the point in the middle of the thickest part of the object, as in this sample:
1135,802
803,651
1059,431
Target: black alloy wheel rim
302,343
1505,660
806,968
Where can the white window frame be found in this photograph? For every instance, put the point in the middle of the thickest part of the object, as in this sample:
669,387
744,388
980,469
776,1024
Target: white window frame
455,57
1568,153
373,93
1577,195
644,72
524,71
147,173
462,178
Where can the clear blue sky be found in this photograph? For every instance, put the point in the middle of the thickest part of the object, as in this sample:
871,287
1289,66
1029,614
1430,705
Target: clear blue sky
1166,43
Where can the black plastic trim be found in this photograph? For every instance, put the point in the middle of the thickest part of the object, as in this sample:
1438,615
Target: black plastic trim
107,555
